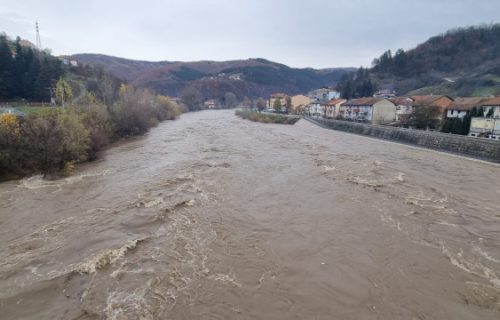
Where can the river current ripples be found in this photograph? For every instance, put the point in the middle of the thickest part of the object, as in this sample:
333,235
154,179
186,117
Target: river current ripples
215,217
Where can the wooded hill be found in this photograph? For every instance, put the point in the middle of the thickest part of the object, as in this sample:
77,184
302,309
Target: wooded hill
460,62
245,78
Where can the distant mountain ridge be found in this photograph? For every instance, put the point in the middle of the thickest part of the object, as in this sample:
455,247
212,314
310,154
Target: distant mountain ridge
245,78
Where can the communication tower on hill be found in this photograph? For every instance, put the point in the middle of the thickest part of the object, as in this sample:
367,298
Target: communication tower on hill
38,40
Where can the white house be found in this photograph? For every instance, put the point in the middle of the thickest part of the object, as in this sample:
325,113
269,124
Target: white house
210,104
316,109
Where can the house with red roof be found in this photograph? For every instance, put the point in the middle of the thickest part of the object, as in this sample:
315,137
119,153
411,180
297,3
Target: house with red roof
461,106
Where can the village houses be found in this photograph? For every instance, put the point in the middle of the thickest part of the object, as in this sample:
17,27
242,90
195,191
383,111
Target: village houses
370,110
384,108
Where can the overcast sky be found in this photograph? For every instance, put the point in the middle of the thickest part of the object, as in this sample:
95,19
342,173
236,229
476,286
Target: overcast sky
299,33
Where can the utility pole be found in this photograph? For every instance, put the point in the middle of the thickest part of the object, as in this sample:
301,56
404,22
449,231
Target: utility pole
38,40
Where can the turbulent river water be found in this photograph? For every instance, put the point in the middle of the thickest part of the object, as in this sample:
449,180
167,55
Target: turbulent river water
215,217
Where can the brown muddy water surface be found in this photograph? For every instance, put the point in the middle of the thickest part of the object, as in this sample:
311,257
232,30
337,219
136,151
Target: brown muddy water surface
215,217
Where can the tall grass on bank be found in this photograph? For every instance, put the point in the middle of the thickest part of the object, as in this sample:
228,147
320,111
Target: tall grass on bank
52,140
266,117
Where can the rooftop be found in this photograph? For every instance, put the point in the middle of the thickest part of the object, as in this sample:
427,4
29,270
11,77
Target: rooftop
466,103
491,101
427,100
363,102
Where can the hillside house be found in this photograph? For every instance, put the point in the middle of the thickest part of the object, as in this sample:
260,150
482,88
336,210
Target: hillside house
460,107
332,108
370,110
492,103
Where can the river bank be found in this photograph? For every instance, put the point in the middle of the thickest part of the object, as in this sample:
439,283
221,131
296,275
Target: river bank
53,140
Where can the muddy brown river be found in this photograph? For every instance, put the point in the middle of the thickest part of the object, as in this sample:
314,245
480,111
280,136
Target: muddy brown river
215,217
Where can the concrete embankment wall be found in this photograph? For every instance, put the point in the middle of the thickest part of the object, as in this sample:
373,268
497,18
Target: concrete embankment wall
472,147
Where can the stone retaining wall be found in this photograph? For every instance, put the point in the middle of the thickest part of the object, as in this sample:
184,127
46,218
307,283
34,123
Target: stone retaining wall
474,147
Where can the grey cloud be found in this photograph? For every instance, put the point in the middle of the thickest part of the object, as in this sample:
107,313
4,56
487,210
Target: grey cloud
314,33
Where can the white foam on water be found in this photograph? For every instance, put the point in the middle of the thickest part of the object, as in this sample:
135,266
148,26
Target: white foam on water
471,266
105,258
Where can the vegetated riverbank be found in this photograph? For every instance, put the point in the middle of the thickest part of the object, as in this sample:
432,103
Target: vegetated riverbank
266,117
51,141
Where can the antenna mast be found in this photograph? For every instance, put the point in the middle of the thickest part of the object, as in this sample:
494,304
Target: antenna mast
38,41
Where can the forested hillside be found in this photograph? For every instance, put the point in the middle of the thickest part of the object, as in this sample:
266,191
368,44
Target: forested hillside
213,79
464,62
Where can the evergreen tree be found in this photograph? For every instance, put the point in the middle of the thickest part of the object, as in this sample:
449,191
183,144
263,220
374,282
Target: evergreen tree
466,125
480,112
277,105
31,75
6,69
490,113
43,82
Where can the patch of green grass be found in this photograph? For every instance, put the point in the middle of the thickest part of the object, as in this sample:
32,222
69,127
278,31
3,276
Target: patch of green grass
30,109
485,91
266,117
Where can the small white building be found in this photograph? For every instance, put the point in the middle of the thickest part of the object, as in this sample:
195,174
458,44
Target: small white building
316,109
386,94
210,104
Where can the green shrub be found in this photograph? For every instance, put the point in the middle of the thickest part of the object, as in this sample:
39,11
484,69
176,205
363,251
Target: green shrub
265,117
